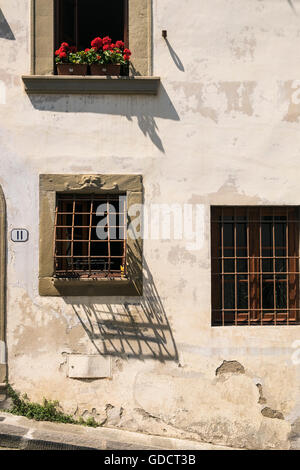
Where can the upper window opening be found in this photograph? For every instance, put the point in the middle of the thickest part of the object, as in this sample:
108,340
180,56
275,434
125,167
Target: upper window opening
255,265
90,236
78,22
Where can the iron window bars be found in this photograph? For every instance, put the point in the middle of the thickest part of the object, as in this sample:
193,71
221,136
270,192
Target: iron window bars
255,265
90,236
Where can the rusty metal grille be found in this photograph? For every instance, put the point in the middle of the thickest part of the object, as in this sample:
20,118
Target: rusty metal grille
90,236
255,265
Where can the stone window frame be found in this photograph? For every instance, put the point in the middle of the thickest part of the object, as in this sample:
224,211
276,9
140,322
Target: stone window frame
2,284
50,184
42,36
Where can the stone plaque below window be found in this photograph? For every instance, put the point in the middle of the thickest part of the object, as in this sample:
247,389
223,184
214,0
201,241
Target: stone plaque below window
88,366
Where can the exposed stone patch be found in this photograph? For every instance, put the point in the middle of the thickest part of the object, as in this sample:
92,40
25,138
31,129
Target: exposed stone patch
114,415
294,436
269,413
119,365
243,48
145,414
6,404
239,96
63,365
295,431
98,415
290,94
223,417
230,367
178,255
139,420
261,399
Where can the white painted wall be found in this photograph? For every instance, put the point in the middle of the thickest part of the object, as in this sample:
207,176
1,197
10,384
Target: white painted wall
224,129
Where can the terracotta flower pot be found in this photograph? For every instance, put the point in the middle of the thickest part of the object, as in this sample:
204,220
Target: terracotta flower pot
107,69
72,69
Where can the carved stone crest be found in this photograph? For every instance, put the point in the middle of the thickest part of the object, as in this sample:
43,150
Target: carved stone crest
90,182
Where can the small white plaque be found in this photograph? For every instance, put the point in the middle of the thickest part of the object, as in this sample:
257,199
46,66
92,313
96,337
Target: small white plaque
88,366
19,235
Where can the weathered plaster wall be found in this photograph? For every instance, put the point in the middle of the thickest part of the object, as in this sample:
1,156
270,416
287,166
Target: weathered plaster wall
224,129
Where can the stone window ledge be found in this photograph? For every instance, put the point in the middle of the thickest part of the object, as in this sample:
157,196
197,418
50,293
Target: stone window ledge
54,84
50,286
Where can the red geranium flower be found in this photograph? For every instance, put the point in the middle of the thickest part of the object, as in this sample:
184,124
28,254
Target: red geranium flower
98,57
64,46
87,50
106,40
97,43
106,47
112,46
120,44
57,52
126,57
63,55
127,52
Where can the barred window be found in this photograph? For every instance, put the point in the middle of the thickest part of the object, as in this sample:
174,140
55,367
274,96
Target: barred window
255,265
90,236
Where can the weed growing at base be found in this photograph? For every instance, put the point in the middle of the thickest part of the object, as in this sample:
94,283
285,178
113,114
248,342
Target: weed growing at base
48,411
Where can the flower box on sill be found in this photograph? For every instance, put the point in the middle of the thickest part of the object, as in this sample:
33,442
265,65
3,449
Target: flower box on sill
106,69
104,58
72,69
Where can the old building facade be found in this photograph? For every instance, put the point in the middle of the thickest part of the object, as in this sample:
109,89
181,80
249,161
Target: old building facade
188,328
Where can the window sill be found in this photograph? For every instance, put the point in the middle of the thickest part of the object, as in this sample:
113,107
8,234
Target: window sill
53,287
54,84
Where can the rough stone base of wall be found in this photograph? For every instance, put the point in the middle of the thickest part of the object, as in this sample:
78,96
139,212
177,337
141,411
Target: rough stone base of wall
229,410
226,408
225,411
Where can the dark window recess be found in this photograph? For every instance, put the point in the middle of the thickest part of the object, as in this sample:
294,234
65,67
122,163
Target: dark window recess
78,22
90,236
255,265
